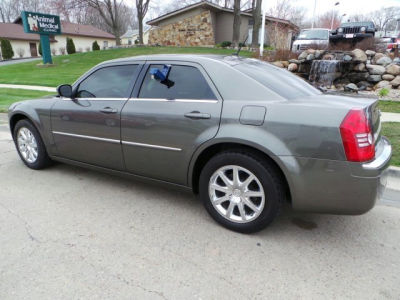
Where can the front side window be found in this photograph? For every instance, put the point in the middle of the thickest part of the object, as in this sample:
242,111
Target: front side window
109,82
184,82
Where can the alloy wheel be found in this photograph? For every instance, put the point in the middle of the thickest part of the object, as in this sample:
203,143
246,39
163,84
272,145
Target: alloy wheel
236,193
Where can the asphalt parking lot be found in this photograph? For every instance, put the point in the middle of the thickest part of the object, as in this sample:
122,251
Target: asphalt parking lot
68,233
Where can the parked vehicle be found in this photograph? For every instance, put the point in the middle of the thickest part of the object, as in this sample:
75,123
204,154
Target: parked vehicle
311,38
243,134
393,43
353,32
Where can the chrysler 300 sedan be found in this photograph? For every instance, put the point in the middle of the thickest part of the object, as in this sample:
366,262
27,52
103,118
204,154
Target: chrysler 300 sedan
244,135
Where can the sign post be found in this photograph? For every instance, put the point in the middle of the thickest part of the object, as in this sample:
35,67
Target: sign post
44,25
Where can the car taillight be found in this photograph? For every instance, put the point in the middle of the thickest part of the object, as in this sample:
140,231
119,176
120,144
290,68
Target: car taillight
357,136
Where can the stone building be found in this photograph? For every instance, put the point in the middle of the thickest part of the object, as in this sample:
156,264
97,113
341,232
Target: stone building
207,24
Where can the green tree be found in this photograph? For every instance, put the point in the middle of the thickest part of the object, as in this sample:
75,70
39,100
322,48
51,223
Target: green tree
70,46
95,46
40,49
6,49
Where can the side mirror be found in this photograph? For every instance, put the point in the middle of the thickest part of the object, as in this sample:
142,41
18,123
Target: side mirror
65,90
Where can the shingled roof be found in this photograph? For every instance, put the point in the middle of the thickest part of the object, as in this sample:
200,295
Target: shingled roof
15,31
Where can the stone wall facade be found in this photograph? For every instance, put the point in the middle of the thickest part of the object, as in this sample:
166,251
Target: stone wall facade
192,31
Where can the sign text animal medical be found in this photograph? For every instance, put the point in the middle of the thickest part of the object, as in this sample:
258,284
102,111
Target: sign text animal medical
41,23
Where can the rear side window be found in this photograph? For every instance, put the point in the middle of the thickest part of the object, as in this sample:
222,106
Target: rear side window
184,82
109,82
279,81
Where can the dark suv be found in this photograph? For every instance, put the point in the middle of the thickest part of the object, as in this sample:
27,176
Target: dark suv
353,31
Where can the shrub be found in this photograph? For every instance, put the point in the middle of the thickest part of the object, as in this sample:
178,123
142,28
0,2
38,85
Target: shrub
242,45
226,44
6,49
95,46
87,49
70,46
383,92
20,52
53,51
40,49
137,42
62,50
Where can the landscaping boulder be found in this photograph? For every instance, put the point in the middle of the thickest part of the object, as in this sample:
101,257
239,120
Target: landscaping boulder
347,58
396,60
278,64
393,69
359,55
285,63
292,67
376,57
295,61
303,55
395,82
359,76
351,87
359,67
364,85
328,57
310,51
384,61
388,77
374,78
310,57
382,84
318,53
376,70
370,53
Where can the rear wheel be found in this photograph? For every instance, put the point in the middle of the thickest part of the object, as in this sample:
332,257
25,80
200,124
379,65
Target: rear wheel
30,145
241,191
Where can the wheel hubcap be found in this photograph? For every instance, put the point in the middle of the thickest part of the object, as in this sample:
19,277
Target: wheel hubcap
27,145
236,193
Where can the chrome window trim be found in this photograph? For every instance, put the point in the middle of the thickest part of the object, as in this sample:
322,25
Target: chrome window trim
94,98
175,100
151,146
89,137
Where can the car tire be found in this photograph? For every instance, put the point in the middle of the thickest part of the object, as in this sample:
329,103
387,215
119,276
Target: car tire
245,219
41,159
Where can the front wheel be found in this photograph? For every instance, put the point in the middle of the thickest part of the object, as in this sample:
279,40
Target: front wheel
30,145
241,191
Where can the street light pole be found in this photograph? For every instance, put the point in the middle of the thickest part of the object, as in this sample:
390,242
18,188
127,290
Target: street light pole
313,16
333,13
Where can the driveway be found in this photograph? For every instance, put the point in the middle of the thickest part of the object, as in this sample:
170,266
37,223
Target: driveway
70,233
17,61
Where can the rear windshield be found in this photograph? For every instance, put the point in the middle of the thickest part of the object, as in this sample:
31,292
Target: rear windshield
278,80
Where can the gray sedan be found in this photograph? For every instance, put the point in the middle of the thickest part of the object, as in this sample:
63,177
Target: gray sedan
243,134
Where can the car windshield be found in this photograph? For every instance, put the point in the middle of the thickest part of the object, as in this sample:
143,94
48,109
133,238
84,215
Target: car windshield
313,35
279,81
357,24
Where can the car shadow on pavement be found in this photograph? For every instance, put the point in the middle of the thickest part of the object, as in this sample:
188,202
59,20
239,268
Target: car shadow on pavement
306,225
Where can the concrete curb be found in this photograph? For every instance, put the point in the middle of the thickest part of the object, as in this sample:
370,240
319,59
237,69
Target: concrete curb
394,172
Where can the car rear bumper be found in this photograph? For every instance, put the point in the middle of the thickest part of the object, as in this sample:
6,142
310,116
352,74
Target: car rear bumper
337,187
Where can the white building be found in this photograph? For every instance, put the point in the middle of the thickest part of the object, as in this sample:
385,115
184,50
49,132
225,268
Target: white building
132,35
27,44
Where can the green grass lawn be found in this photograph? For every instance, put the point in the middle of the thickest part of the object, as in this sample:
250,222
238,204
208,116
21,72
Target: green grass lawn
69,67
9,96
392,131
389,106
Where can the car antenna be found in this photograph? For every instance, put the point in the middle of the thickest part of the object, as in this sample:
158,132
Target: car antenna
240,46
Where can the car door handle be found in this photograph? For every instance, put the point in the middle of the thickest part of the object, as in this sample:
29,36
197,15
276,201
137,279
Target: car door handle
109,110
196,115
